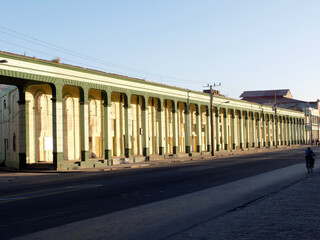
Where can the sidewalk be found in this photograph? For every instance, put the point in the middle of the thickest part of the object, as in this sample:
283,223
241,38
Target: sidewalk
159,162
292,213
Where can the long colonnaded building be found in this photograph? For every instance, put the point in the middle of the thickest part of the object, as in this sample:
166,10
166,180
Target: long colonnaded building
73,117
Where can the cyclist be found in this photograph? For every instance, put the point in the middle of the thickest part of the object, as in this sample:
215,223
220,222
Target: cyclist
309,159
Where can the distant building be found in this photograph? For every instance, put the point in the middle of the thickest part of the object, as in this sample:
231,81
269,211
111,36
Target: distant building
284,99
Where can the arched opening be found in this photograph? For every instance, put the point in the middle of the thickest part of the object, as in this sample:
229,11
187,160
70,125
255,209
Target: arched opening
193,128
117,124
168,108
95,124
71,123
204,128
43,134
136,117
181,126
153,125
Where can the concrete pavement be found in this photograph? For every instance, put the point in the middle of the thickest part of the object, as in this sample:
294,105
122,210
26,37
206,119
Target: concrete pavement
292,213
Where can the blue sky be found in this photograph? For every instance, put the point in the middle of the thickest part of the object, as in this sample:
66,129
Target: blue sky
245,45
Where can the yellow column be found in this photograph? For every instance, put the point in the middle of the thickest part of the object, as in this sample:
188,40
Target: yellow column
128,127
84,125
145,127
57,126
241,130
217,129
22,129
198,130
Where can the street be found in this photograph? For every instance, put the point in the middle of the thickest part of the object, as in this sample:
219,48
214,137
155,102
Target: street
63,198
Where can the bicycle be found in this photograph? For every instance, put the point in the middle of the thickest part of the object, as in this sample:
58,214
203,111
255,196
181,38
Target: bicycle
310,164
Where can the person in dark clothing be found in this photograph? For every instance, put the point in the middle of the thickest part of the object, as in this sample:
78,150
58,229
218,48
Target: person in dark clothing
309,158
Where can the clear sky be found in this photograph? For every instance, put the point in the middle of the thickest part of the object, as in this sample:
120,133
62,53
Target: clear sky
245,45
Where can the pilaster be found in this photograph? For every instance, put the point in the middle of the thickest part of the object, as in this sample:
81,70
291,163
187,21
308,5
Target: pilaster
233,127
145,133
107,128
225,129
241,129
175,127
259,131
198,130
22,129
253,130
57,125
217,118
128,127
84,124
161,129
264,131
247,130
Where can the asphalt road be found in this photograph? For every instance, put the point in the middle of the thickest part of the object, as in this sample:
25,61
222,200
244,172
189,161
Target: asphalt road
65,198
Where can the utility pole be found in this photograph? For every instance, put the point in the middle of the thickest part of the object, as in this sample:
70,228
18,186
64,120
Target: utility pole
211,123
188,150
211,116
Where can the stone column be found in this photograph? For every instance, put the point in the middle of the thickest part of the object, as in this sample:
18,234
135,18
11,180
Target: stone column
154,140
292,132
217,115
277,129
57,126
289,132
22,129
281,131
208,130
226,133
175,127
139,126
107,127
273,131
122,124
284,125
166,126
233,119
264,130
259,131
144,128
241,130
161,128
128,127
198,130
84,125
253,130
247,130
298,130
